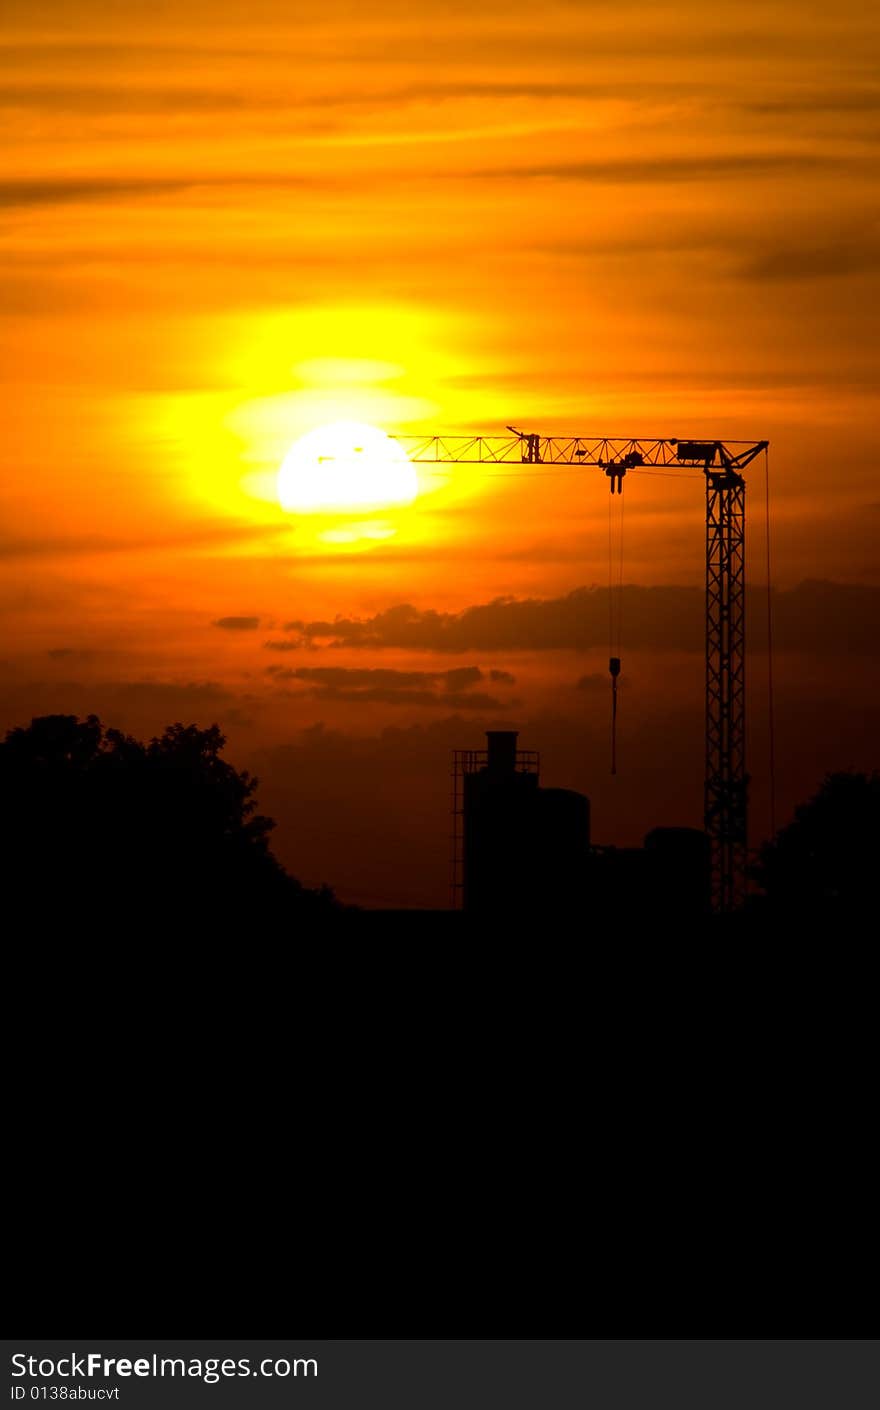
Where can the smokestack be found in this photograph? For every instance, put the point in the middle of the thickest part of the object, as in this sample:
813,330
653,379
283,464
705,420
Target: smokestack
502,751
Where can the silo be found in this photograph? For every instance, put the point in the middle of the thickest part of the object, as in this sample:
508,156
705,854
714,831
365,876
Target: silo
562,848
499,825
524,848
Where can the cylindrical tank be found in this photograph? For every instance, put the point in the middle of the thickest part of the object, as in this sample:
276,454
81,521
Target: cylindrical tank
561,848
566,815
679,872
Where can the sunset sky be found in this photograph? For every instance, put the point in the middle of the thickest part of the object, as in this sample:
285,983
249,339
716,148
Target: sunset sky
226,224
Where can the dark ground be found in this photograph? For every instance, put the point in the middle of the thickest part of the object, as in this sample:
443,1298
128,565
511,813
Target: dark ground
415,1129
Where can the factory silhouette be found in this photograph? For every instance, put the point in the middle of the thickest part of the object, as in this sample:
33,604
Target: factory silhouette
520,849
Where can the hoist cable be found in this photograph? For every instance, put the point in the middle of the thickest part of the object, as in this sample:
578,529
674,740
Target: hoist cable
610,576
620,576
771,721
615,608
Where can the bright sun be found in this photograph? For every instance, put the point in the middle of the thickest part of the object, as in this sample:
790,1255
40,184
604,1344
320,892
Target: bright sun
345,466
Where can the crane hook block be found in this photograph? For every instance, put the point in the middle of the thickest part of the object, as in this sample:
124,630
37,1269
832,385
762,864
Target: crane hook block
614,665
615,474
616,469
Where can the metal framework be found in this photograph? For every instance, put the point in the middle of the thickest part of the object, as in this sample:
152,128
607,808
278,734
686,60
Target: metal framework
726,781
520,448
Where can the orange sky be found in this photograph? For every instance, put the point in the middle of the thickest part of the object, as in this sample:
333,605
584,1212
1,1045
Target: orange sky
223,225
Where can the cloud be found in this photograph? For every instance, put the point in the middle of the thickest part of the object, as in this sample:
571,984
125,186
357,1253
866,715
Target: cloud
449,689
816,246
171,695
69,653
664,169
141,706
40,192
462,677
31,192
160,100
856,100
447,700
595,681
823,617
211,533
237,624
656,616
81,98
332,677
814,262
502,677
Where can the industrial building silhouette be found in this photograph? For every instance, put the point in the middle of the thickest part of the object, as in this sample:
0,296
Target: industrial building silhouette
521,849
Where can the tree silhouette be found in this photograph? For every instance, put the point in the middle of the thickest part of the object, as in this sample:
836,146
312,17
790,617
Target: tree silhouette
99,829
823,865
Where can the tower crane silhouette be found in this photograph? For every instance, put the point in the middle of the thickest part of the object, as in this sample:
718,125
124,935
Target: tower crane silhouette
725,789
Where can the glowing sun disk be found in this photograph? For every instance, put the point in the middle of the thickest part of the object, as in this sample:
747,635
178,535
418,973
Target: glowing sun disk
345,466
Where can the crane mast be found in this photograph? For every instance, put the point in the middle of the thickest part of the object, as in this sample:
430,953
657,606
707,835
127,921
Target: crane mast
725,798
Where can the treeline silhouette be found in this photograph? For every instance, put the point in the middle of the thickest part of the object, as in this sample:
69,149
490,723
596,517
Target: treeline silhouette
822,867
103,832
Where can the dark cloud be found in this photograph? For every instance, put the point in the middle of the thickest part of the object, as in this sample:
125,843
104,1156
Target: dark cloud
463,677
212,532
823,617
332,677
77,50
36,192
53,192
446,700
593,682
70,653
170,695
81,98
502,677
814,262
295,645
843,100
403,35
665,169
830,619
143,707
237,624
58,192
449,689
816,247
656,616
159,100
